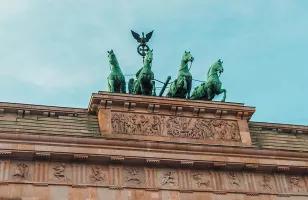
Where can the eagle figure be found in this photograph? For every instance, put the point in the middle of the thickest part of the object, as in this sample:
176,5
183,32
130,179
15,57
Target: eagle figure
142,40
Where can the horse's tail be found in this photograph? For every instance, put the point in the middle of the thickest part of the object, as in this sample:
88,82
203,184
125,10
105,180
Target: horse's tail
131,85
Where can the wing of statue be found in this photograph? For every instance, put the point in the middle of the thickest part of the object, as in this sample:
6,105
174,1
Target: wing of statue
148,36
136,36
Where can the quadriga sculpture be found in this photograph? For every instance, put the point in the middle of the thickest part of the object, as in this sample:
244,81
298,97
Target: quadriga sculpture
181,86
144,83
208,90
116,79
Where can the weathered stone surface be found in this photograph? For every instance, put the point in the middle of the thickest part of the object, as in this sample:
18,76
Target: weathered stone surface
198,120
134,176
175,126
149,148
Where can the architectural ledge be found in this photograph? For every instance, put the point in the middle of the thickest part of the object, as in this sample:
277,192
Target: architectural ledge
169,119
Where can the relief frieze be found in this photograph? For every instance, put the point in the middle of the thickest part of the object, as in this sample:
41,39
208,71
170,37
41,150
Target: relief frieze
296,183
104,175
202,180
21,171
134,176
175,126
60,172
168,178
97,174
266,183
234,180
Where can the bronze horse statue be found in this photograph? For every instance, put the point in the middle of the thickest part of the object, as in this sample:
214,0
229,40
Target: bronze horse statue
208,90
144,83
181,86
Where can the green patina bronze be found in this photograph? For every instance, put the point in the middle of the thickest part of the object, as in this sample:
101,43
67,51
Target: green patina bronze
181,86
144,83
116,79
208,90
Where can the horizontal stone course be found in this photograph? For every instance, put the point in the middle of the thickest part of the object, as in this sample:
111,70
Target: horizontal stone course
151,178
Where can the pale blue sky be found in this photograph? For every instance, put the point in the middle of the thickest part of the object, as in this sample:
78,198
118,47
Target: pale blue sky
53,52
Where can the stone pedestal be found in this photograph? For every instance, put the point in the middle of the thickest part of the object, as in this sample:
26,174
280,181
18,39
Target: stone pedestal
169,119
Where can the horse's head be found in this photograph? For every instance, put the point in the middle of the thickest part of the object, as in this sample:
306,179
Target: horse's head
216,68
112,58
187,57
149,56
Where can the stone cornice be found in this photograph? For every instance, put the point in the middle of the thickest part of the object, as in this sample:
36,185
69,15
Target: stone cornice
32,109
105,99
287,128
121,176
132,151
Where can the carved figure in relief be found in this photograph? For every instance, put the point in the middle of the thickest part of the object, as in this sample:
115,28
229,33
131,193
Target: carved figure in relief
201,180
155,126
21,170
178,126
234,179
133,175
296,183
224,130
124,123
168,178
59,171
97,174
266,182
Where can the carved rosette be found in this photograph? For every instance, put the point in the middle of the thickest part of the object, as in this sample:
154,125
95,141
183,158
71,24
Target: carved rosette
175,126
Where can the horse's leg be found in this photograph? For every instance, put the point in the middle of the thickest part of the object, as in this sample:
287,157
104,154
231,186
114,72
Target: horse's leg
225,94
123,86
111,85
136,87
185,84
141,87
188,89
153,89
209,93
